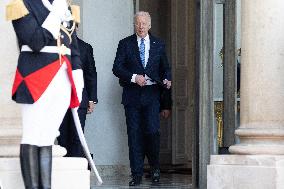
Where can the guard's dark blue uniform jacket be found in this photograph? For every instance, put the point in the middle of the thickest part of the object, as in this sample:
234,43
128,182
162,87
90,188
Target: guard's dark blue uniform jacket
34,70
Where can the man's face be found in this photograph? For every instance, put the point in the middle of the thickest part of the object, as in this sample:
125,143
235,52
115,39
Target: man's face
142,26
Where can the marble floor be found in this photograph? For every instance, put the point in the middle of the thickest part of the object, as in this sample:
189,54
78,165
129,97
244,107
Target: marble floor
167,181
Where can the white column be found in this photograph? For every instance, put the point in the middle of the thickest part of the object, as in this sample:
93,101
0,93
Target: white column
258,162
262,78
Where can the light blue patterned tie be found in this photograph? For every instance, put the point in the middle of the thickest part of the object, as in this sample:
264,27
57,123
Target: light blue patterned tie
142,52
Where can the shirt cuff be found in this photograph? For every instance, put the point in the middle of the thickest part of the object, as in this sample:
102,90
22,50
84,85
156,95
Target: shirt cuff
133,78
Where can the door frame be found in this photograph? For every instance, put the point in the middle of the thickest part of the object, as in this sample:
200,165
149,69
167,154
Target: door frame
205,131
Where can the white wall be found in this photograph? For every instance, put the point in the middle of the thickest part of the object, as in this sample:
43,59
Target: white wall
239,21
218,44
8,62
104,23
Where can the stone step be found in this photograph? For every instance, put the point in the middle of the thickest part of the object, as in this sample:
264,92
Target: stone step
10,136
14,150
67,173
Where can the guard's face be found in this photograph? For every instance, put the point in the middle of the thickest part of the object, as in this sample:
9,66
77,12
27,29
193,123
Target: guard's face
142,26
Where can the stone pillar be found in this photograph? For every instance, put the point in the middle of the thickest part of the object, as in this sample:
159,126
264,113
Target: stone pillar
262,79
260,161
69,173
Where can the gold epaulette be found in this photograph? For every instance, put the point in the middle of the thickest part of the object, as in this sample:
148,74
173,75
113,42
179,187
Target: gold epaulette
15,10
75,9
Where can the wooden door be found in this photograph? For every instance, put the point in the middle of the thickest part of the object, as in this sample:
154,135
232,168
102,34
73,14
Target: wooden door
183,67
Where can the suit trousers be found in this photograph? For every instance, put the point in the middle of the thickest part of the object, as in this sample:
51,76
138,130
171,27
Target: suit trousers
69,138
143,121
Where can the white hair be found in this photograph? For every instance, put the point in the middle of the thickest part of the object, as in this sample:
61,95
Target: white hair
143,13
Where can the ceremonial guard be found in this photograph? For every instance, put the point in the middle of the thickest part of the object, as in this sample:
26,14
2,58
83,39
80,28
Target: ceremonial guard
47,77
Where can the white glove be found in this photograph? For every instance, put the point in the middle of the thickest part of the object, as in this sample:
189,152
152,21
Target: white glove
58,13
60,8
79,82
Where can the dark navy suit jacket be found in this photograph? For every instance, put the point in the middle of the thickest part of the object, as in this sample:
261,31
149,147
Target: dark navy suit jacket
89,73
127,62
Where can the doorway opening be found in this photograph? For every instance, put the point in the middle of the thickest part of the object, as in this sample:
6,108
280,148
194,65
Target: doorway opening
174,22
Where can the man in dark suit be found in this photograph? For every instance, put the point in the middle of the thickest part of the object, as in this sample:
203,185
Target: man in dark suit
141,66
68,134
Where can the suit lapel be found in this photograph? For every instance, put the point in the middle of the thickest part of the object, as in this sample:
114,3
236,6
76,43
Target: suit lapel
136,50
152,48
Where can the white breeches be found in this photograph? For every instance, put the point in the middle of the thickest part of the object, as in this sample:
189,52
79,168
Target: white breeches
41,120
